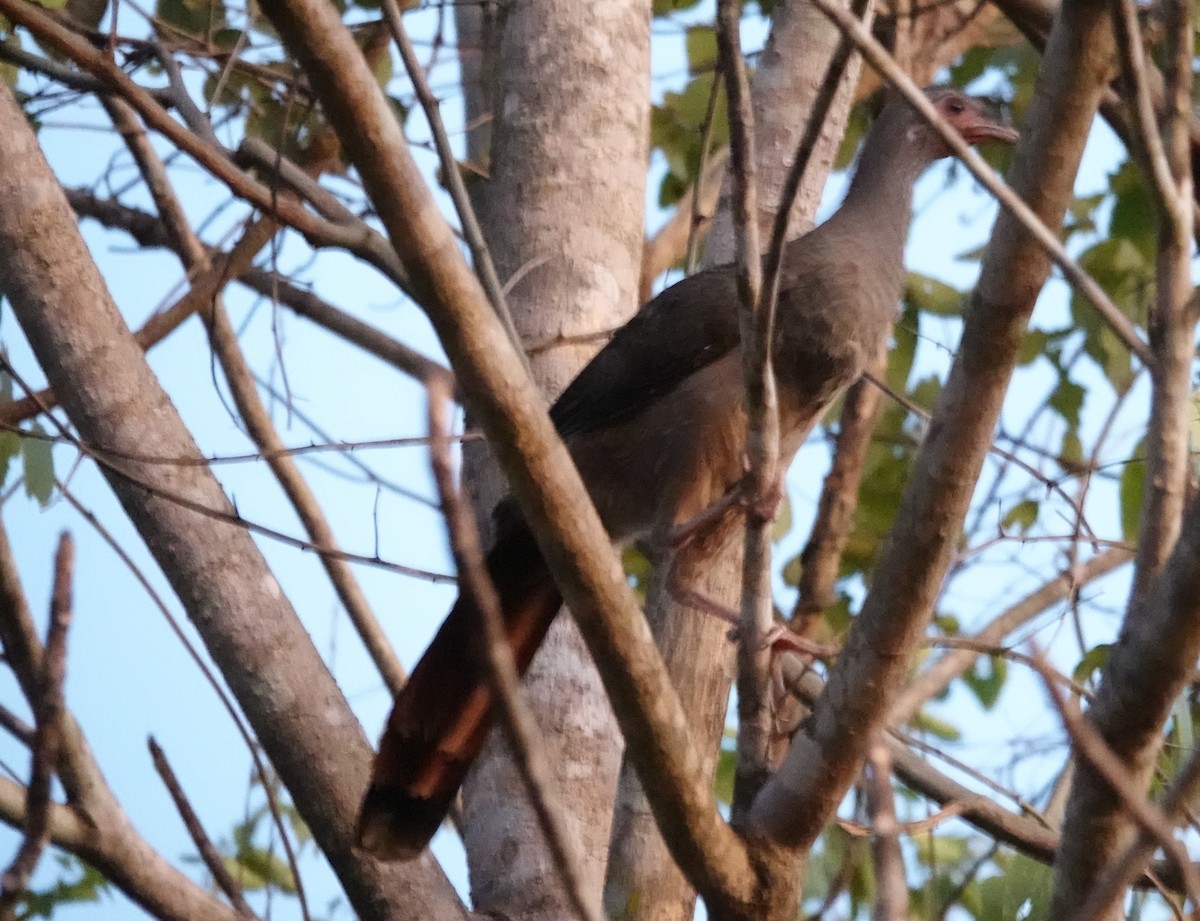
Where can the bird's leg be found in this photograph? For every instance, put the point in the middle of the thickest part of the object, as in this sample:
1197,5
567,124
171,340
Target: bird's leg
762,508
779,638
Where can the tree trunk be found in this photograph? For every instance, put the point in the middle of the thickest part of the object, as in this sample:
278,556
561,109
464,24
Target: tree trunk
563,213
114,400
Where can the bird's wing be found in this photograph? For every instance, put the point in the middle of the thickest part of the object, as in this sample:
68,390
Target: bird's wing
685,328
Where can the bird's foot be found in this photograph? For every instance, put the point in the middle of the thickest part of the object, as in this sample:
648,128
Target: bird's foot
779,638
683,534
761,509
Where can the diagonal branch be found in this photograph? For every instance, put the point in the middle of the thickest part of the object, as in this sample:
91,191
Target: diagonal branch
538,468
829,750
1008,197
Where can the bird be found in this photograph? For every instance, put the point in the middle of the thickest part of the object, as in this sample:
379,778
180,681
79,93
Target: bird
656,425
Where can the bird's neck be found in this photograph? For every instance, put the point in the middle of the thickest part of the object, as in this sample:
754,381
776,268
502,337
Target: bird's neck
880,194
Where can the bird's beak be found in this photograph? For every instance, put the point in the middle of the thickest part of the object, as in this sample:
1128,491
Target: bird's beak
984,129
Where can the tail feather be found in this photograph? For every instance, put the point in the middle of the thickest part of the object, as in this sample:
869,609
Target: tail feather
441,717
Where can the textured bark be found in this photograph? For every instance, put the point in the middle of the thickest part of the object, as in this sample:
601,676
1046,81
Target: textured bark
562,209
790,71
114,400
643,881
831,746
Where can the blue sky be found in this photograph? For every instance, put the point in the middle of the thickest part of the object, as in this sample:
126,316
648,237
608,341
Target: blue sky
128,676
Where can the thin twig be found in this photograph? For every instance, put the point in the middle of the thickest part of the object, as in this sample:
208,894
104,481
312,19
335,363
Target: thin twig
891,884
472,233
208,852
1125,869
254,414
515,717
1089,744
48,710
218,514
756,320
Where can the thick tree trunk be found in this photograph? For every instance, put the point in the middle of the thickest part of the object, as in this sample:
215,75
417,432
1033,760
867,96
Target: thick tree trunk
563,214
114,400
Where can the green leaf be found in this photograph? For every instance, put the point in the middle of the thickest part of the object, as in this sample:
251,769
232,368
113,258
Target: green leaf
10,447
904,349
201,17
988,684
942,851
783,520
37,454
930,295
723,780
933,726
259,864
676,130
1021,516
701,45
1022,891
1132,492
1067,401
1131,208
1093,660
78,883
665,7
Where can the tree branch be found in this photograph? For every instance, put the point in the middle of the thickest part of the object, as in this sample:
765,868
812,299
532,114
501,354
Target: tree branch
831,746
539,471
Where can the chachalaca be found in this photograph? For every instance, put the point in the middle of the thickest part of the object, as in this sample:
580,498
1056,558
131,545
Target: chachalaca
656,425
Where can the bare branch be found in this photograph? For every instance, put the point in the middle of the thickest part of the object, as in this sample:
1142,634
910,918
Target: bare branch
1090,746
208,852
827,752
484,267
934,679
891,884
48,711
1172,319
756,321
515,717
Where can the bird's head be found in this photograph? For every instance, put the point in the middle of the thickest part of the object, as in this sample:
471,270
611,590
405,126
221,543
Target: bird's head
972,117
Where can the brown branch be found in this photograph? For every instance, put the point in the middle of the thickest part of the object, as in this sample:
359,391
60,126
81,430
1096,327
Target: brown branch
891,883
356,237
1026,834
1171,322
1092,750
1125,869
934,679
143,481
514,715
205,286
207,850
452,176
756,321
822,555
268,659
48,711
149,231
828,751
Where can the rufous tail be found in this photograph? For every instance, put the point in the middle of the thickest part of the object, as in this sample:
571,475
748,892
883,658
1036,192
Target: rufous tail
441,717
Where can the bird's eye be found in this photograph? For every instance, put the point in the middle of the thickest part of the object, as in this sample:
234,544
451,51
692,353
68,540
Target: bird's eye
955,106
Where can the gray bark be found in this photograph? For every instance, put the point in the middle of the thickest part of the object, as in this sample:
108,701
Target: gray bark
563,215
113,400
